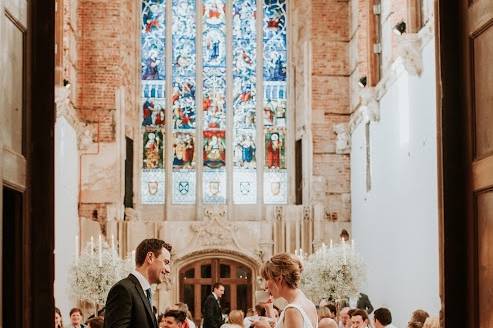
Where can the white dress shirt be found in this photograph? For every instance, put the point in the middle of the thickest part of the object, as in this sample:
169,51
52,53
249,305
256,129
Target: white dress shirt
142,280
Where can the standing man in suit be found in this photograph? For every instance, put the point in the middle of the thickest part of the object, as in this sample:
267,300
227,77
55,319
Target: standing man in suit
211,309
129,300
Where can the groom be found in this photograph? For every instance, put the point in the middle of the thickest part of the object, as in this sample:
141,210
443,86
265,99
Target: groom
129,300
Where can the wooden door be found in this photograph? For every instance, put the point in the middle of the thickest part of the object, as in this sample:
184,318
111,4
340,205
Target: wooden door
13,36
196,280
478,40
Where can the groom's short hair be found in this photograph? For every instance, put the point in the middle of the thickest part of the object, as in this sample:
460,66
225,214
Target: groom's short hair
150,245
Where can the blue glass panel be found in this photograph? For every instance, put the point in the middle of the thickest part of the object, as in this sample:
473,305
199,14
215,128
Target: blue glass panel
245,149
275,45
184,30
183,103
214,33
153,114
153,40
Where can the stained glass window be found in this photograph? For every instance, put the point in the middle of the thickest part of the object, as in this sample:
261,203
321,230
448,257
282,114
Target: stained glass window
225,114
214,100
153,100
275,101
244,102
183,102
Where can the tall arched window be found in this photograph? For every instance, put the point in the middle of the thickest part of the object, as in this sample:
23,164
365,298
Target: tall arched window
214,101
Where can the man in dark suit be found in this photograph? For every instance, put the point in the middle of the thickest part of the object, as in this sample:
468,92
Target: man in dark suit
129,302
364,303
211,309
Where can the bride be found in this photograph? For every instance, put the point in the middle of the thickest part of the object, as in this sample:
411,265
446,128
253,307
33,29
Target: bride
283,274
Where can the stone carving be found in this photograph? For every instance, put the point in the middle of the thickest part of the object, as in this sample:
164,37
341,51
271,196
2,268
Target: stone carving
65,109
215,230
278,213
368,111
409,51
307,213
342,139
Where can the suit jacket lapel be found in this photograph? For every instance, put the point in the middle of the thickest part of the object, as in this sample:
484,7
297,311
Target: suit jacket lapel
144,299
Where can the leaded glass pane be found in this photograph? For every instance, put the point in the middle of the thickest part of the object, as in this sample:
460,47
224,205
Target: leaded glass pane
244,101
214,100
153,150
184,187
152,187
275,102
214,190
183,101
275,187
153,71
245,186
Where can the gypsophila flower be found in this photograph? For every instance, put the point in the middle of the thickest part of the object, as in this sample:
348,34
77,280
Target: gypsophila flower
91,282
334,273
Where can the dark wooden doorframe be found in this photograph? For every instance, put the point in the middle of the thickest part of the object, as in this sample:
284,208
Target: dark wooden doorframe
39,220
452,161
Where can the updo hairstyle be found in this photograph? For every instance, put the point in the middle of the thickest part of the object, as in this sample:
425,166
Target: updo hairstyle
284,266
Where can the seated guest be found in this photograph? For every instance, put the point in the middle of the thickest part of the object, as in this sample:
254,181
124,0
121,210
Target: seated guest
248,321
184,307
383,318
96,322
58,318
344,318
323,312
76,318
359,319
418,319
327,323
235,320
172,319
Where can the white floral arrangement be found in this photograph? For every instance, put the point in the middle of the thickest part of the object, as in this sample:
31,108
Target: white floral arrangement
334,273
94,273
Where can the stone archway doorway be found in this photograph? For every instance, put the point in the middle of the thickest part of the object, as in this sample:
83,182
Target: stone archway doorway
197,278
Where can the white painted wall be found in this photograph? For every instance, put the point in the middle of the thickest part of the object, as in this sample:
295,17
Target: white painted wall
395,224
66,214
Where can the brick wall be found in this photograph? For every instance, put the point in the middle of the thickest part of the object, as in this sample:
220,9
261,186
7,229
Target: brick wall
107,60
330,35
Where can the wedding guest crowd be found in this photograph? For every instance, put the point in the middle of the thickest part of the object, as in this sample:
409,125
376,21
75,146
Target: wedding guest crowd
282,276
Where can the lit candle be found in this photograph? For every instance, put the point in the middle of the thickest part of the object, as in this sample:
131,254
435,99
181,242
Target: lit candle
344,250
133,257
92,246
100,251
76,250
323,245
352,243
112,249
331,244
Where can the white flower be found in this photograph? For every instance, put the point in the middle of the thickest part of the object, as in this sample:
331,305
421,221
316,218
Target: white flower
91,282
334,273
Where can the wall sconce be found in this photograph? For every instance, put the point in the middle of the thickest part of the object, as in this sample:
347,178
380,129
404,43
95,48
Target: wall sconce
66,83
400,28
362,82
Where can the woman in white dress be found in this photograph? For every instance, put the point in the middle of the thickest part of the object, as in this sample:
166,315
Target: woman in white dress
282,274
